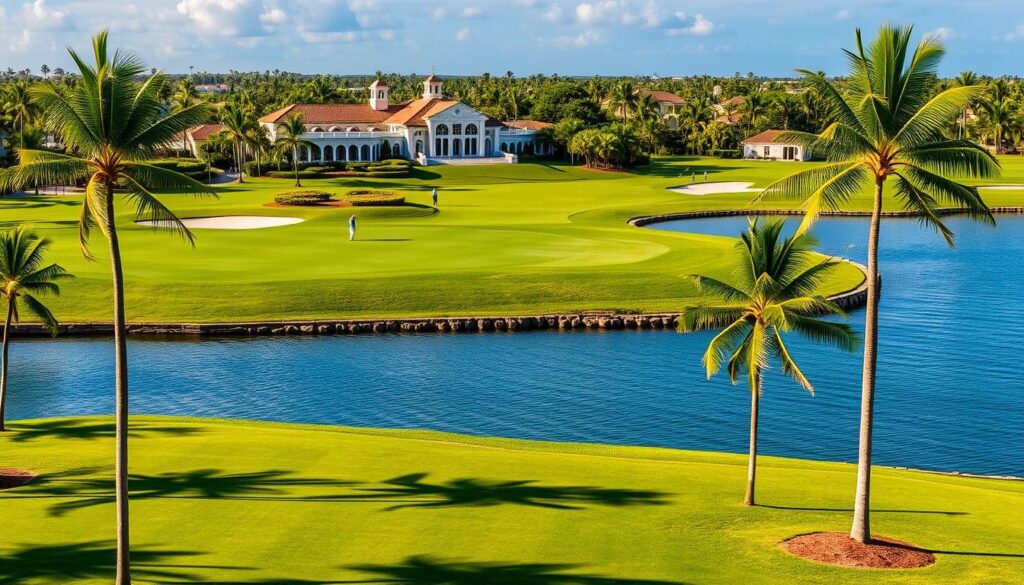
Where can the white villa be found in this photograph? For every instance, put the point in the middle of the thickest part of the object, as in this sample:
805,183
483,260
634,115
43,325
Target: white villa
768,146
431,130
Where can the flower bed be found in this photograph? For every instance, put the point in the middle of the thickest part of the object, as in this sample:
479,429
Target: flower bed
304,198
369,197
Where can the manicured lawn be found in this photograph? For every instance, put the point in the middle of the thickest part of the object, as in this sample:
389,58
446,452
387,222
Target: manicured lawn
506,240
239,502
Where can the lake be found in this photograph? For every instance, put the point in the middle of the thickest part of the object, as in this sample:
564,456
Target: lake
950,386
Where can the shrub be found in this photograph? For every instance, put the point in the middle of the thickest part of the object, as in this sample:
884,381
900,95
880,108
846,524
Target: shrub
190,167
369,197
307,197
726,153
282,174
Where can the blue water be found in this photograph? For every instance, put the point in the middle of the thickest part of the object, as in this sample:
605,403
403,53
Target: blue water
950,384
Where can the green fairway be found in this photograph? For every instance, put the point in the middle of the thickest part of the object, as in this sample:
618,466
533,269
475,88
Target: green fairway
240,502
507,239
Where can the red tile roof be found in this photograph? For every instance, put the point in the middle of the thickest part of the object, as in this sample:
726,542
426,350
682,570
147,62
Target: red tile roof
204,131
527,124
416,112
764,137
332,114
731,119
665,96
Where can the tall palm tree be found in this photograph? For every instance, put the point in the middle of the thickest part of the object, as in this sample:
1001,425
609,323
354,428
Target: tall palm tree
238,124
289,139
754,108
22,277
20,106
999,116
965,79
648,117
887,126
623,98
112,126
775,293
184,98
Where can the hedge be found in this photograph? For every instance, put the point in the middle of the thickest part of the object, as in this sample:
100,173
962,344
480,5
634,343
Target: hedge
190,167
291,174
369,197
307,197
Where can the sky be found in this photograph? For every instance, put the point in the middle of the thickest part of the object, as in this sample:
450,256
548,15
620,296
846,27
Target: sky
469,37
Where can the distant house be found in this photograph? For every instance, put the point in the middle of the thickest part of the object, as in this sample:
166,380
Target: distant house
768,146
200,134
213,88
668,103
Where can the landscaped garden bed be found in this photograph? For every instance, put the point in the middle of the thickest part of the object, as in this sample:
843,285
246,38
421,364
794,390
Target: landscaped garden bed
354,198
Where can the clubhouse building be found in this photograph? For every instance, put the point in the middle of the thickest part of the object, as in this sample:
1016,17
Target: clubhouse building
431,130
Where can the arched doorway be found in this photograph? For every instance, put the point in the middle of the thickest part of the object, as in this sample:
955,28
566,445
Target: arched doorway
419,147
329,153
487,147
366,152
396,150
457,147
504,147
353,152
340,153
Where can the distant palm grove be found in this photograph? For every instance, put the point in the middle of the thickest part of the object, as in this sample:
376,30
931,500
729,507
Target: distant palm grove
614,121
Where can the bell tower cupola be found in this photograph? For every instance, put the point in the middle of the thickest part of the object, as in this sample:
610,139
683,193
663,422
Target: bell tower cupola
432,88
378,95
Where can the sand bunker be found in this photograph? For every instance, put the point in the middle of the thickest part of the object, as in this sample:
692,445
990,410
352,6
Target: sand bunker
713,188
230,222
1003,187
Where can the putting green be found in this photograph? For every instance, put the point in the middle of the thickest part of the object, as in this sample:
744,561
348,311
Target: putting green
239,502
505,240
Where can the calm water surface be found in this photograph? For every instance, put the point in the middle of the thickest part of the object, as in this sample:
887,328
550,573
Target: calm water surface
950,384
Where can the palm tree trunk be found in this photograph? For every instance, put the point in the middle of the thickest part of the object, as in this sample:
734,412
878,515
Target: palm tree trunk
295,165
121,399
861,530
755,397
3,364
238,160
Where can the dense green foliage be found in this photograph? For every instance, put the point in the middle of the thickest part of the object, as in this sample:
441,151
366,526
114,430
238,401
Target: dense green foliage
372,198
306,197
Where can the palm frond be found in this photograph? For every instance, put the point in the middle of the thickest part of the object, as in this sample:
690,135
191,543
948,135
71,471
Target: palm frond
154,177
149,209
723,345
789,365
39,310
839,335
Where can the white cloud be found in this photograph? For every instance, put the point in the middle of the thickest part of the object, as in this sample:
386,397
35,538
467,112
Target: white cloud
229,18
462,35
525,3
1017,34
943,33
472,12
700,27
553,13
274,16
584,39
439,13
38,15
20,42
603,12
844,14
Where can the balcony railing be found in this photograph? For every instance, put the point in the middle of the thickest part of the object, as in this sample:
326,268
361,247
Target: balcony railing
516,131
335,135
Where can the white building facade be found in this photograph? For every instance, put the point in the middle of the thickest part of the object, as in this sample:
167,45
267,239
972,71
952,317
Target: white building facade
768,146
430,129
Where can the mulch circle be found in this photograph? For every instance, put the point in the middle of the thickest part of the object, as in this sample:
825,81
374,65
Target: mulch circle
12,478
837,548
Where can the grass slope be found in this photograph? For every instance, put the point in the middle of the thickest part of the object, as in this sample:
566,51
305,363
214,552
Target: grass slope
238,502
506,239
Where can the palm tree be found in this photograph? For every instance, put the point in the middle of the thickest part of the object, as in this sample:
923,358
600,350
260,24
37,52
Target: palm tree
754,108
183,99
22,276
623,98
113,126
776,280
965,79
20,106
648,117
237,125
887,126
289,138
999,115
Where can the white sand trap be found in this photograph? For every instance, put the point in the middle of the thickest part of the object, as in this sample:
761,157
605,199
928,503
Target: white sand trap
1002,187
231,222
713,188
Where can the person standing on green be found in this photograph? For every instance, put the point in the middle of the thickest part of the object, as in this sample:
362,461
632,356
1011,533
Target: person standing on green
352,228
433,196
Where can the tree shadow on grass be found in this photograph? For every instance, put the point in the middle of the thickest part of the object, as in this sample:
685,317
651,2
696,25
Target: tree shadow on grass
77,490
66,563
425,570
873,510
412,491
88,430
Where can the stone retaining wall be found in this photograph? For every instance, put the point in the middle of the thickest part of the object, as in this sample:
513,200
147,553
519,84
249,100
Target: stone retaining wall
651,219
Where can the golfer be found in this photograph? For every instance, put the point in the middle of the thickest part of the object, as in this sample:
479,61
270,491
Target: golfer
351,228
433,195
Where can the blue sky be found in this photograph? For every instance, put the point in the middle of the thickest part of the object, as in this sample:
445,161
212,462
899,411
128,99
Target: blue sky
569,37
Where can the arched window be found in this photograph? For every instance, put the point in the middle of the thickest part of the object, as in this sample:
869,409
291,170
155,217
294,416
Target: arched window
341,153
419,147
519,148
353,152
396,150
316,129
441,130
329,153
366,152
334,129
314,153
471,129
487,147
303,154
352,129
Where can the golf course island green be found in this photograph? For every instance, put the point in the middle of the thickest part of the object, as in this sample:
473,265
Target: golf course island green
260,503
504,240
